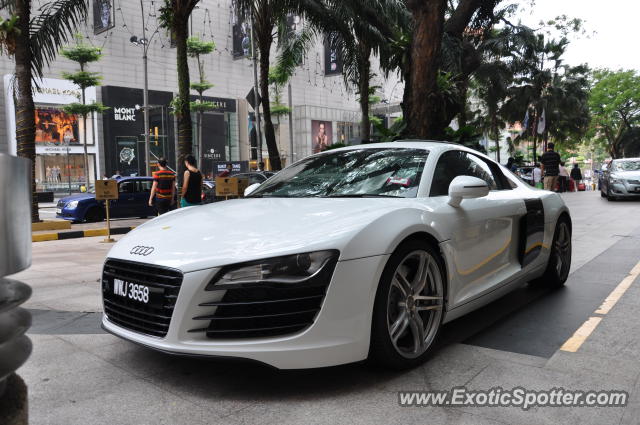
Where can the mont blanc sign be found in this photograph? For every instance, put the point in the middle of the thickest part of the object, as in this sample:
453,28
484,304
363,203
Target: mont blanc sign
123,113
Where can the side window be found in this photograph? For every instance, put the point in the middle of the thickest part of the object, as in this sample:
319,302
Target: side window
126,187
144,185
452,164
253,178
480,169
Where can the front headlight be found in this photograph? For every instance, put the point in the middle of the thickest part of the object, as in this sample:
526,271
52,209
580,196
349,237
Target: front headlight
289,269
72,205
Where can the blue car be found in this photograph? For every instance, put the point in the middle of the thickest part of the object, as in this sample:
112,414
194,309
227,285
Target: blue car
133,201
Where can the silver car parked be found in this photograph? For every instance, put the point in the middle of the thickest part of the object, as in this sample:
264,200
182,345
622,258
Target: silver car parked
621,179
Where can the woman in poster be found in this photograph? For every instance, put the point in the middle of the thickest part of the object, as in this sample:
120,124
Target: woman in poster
321,140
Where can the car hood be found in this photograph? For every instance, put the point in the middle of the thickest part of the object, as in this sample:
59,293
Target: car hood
240,230
77,197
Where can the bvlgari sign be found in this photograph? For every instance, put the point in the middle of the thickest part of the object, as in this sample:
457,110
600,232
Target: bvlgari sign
124,114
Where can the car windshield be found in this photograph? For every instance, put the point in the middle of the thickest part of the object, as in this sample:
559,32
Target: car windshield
374,172
628,165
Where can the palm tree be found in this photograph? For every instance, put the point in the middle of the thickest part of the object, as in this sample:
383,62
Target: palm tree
371,26
546,87
174,16
34,44
267,17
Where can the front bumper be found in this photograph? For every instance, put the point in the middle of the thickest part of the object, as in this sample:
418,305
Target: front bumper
625,189
340,333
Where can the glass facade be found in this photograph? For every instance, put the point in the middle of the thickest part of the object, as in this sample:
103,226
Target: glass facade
62,172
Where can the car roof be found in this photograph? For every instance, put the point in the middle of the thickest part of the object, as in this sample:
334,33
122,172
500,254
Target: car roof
430,145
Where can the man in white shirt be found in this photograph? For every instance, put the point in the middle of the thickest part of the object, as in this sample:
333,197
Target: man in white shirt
536,174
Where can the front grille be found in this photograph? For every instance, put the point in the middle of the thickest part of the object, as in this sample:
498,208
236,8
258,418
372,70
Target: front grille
60,204
265,309
151,320
633,181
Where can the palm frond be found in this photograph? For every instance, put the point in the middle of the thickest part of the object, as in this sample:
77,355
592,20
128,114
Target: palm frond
293,48
52,28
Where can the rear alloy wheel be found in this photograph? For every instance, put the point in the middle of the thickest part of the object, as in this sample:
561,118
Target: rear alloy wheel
408,311
559,263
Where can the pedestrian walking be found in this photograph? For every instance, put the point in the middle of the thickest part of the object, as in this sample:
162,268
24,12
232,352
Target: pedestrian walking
192,184
536,174
576,175
550,166
563,176
163,191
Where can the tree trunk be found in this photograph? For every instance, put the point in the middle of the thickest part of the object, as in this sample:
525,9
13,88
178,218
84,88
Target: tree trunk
264,41
25,108
364,83
183,112
421,105
496,134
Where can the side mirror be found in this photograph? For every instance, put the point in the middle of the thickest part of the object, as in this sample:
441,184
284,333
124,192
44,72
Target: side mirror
466,187
250,189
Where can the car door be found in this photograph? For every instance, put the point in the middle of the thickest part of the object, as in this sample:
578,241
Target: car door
126,193
140,207
483,248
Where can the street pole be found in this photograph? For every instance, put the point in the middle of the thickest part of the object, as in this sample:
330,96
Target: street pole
291,160
68,169
146,96
255,97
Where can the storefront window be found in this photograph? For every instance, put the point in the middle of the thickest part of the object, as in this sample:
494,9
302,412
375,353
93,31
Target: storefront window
58,172
347,132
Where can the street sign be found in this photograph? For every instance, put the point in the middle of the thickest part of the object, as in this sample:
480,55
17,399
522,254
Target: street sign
252,98
231,186
106,189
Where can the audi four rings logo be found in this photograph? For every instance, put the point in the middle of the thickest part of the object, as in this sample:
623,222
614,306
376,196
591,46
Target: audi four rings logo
141,250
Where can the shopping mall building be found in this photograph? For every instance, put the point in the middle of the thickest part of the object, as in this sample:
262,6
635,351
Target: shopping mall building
115,139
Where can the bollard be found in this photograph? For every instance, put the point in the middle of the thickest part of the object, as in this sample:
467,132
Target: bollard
15,256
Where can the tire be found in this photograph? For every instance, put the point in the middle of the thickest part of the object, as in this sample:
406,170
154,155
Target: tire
94,215
609,196
602,195
414,322
559,264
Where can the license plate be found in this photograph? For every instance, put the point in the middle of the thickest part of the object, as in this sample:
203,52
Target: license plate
137,292
59,211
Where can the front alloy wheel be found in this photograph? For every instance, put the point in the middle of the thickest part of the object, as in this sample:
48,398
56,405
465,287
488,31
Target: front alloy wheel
409,307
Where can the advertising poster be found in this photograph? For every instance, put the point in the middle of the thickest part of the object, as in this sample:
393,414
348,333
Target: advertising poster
54,126
128,158
332,59
241,38
322,135
103,15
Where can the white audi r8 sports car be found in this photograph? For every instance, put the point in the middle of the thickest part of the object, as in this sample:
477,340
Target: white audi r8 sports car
354,253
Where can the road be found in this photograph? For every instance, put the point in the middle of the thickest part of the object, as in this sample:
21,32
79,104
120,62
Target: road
78,374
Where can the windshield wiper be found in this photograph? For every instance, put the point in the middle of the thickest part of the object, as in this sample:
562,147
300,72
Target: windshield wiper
362,195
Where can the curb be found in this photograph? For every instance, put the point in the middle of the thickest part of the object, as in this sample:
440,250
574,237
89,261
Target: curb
79,234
